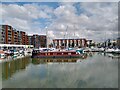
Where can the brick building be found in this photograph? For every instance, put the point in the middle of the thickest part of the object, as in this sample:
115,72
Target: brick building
43,40
38,41
15,36
35,41
26,40
6,34
30,40
23,37
9,35
2,35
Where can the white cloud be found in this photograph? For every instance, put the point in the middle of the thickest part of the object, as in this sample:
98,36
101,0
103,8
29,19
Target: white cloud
23,17
92,22
96,19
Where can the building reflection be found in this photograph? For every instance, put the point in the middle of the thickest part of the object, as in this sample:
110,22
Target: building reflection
11,67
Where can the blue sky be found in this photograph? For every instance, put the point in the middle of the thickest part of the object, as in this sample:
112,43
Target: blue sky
51,4
43,20
90,20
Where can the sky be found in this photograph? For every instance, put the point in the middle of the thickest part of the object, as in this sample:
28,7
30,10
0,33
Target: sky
91,20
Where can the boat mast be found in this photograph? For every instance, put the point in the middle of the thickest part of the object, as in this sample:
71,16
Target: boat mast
74,35
65,34
46,37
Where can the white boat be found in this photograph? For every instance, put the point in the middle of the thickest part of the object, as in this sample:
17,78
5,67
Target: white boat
2,54
21,51
109,50
93,49
116,51
112,50
15,53
101,49
8,53
46,49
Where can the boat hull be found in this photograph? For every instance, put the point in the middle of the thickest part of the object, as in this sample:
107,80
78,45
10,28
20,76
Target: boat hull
56,55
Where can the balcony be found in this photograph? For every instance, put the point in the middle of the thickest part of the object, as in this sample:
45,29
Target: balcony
9,36
9,30
2,39
9,33
3,35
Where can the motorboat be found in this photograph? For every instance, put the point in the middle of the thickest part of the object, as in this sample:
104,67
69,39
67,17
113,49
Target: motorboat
2,54
109,50
117,51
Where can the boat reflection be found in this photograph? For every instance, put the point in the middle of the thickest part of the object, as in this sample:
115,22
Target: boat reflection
11,67
37,61
111,55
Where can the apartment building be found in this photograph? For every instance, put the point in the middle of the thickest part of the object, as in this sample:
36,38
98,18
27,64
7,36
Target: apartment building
26,40
39,41
35,41
43,40
6,34
58,43
15,36
1,34
30,40
9,35
23,37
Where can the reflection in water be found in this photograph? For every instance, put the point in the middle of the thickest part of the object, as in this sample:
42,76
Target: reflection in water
111,55
11,67
42,61
93,71
60,60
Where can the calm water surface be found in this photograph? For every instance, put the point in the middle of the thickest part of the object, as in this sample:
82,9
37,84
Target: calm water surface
96,70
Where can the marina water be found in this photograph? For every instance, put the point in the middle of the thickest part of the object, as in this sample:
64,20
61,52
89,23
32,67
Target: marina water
96,70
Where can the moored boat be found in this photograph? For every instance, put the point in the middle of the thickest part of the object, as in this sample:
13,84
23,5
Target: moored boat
14,53
101,49
56,54
117,51
109,50
2,54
